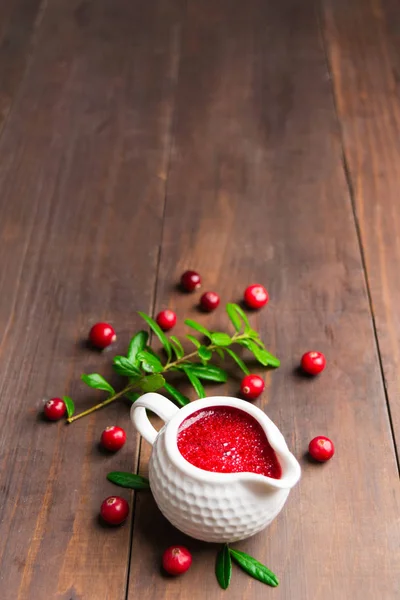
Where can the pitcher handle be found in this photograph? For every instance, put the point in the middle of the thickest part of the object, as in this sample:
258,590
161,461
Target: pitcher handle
159,405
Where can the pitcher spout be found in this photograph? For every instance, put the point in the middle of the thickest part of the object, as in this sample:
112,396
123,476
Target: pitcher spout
291,470
290,467
291,473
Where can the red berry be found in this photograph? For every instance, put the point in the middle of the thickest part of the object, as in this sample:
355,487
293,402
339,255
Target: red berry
55,409
114,510
176,560
209,301
113,438
102,335
313,362
190,281
256,296
321,448
166,319
252,386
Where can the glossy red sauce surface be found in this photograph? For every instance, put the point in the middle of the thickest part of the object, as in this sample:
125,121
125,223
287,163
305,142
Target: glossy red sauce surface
227,440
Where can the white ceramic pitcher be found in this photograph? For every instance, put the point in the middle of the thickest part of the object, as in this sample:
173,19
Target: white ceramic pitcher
209,506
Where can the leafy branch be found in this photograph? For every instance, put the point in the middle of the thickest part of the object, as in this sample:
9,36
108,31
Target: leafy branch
146,370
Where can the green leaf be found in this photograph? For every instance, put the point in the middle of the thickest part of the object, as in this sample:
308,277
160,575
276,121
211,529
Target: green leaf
177,347
176,394
96,381
253,334
198,327
263,357
209,372
220,353
254,568
129,480
123,366
242,315
195,381
204,353
194,340
159,333
259,342
273,361
150,363
221,339
238,360
233,315
223,567
132,396
152,383
246,343
69,403
136,345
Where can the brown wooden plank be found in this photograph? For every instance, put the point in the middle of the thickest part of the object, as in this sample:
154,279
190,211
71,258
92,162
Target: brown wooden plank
362,42
257,192
83,160
19,23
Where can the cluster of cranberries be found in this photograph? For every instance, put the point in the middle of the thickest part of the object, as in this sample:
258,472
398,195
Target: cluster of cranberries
255,296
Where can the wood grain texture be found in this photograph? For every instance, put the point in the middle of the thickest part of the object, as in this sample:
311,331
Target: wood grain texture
19,22
363,46
257,192
82,177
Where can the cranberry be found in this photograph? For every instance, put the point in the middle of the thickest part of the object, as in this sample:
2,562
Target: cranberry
321,448
256,296
102,335
166,319
113,438
252,386
55,409
176,560
114,510
190,281
313,362
209,301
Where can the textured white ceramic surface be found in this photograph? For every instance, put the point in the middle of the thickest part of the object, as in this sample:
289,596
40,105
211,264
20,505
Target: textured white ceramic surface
214,507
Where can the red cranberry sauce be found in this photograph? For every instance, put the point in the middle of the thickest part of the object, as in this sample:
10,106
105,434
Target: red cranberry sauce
227,440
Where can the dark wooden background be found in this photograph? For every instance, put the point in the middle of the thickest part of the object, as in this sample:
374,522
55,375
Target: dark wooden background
253,141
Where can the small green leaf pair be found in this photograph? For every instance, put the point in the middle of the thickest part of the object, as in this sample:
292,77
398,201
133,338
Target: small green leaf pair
223,567
238,317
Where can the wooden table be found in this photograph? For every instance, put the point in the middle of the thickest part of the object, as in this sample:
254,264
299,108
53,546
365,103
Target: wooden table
252,141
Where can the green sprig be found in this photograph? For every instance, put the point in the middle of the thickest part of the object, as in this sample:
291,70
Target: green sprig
146,370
